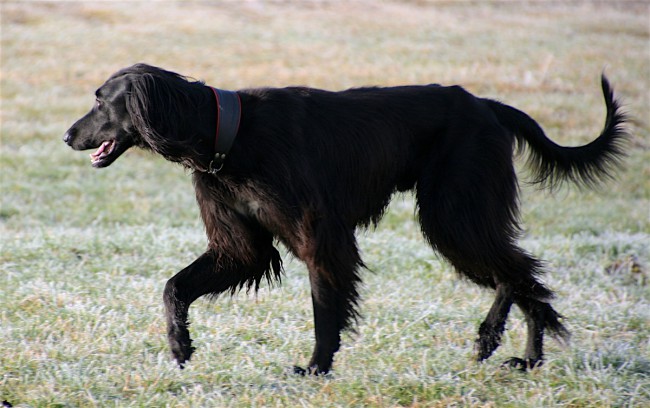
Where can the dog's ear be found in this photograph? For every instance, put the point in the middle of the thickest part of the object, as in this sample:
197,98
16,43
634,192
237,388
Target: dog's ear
162,106
147,107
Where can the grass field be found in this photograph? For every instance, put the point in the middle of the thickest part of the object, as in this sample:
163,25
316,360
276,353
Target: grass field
85,253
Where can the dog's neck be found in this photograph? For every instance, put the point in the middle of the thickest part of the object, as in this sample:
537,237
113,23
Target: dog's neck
228,117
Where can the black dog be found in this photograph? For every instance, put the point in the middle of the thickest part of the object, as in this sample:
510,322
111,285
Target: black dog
306,167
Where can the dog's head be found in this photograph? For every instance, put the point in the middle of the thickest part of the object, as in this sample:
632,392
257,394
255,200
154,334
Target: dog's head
108,126
138,106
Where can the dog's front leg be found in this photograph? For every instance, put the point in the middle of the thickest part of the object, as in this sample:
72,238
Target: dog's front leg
328,324
334,283
180,291
203,276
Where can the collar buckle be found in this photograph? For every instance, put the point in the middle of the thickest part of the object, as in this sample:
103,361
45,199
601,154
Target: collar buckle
211,167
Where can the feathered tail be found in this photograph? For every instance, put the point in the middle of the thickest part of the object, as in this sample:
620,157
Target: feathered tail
552,164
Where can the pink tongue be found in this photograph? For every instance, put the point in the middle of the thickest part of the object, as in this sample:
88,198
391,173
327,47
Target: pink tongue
100,150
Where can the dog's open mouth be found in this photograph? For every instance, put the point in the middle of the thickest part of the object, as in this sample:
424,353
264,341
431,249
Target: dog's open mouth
102,152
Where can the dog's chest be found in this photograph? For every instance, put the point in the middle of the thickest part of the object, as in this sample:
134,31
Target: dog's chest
223,201
247,207
265,214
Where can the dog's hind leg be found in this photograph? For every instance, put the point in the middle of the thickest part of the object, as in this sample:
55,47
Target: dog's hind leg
501,265
467,201
540,316
490,331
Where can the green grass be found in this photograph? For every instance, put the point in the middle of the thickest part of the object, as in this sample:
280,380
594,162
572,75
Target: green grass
85,254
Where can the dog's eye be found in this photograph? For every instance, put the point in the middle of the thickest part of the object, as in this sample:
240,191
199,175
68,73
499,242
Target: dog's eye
98,103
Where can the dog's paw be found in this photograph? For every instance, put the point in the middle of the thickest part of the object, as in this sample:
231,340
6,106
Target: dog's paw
181,348
182,355
521,364
299,371
312,370
489,339
484,347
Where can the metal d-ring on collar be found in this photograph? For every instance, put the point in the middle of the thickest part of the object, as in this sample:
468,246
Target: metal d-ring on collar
228,116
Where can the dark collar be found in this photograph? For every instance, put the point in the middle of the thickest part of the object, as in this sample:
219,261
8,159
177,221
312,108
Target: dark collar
228,116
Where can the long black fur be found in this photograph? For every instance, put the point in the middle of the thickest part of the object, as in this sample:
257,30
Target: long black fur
309,166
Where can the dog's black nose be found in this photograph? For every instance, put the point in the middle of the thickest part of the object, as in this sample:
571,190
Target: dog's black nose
67,137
